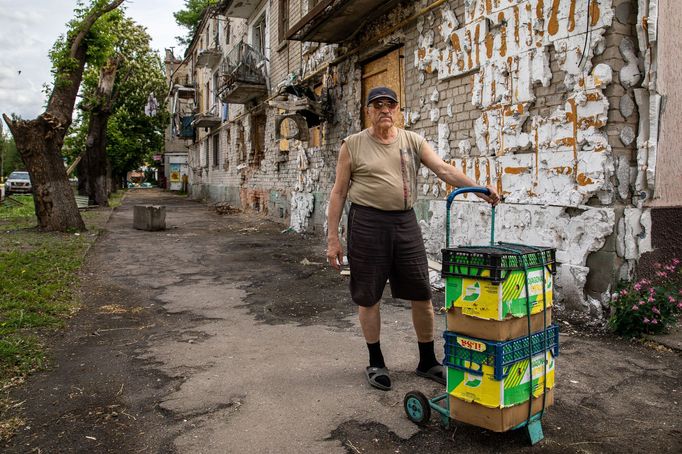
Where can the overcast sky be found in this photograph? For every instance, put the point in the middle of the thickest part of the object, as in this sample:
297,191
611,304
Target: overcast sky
29,28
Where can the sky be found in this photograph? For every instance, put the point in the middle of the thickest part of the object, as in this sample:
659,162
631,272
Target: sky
29,28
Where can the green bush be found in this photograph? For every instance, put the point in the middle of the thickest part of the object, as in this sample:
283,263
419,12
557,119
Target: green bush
648,306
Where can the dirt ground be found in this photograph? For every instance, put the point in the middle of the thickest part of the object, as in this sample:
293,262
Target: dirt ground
225,333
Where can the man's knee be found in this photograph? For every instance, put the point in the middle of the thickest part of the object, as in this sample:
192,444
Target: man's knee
422,307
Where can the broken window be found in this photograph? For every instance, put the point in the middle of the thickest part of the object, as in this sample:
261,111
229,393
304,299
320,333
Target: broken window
216,86
241,154
258,35
216,150
207,97
257,139
226,161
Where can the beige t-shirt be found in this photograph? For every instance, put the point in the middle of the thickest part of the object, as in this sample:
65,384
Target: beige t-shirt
384,176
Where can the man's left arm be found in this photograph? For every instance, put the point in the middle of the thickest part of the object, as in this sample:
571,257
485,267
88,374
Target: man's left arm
451,174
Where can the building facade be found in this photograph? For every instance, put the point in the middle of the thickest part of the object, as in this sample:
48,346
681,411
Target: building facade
565,106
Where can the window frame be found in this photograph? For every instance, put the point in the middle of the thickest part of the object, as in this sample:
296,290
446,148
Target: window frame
283,20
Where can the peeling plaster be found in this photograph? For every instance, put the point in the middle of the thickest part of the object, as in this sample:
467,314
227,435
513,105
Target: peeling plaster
507,42
302,205
561,158
623,177
443,149
629,73
435,95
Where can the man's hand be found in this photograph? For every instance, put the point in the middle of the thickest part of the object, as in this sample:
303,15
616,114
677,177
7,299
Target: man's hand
492,199
334,253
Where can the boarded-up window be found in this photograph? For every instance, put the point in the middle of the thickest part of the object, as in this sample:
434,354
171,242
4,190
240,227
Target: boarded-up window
316,132
387,71
284,132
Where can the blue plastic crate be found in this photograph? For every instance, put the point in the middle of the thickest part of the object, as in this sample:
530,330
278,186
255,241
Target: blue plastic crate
475,353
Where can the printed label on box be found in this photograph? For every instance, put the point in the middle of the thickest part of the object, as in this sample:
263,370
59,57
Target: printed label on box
485,299
512,390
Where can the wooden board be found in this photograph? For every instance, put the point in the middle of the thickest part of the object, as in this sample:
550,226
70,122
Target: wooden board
385,71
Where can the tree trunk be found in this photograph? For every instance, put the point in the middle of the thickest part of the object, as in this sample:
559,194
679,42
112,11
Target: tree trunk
40,147
40,141
95,161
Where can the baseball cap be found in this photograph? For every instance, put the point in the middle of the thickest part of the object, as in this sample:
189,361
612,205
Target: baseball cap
381,92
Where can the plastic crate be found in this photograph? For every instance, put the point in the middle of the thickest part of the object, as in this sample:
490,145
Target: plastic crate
495,263
462,350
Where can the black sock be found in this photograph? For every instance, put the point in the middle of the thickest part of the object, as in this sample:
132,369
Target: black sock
376,359
427,356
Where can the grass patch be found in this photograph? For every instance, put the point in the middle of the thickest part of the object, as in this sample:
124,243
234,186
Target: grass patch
39,280
18,213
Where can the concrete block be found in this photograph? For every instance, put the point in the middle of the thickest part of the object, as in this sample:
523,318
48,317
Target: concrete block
149,217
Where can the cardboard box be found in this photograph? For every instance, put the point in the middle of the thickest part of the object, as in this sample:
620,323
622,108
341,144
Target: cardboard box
496,330
496,419
479,297
512,390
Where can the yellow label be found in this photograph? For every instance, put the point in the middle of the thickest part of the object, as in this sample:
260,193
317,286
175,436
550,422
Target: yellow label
471,344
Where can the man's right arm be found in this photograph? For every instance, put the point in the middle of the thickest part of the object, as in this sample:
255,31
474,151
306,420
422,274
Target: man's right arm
337,199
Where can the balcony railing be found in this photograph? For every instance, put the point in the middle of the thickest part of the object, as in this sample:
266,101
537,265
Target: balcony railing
244,76
334,21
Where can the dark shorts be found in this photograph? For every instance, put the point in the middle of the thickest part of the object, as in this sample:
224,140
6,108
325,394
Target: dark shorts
386,245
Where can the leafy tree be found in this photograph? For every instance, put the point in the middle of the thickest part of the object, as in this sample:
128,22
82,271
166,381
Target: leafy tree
120,86
10,156
40,141
190,16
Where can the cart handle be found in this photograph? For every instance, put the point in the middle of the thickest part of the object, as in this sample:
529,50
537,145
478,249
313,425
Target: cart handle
451,198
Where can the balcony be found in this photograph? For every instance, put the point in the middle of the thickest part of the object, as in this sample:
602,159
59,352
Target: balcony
334,21
209,58
244,75
238,8
207,120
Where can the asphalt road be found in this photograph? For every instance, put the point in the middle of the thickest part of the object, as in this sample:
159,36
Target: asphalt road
225,334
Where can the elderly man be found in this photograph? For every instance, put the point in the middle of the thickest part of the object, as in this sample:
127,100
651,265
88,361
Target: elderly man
377,169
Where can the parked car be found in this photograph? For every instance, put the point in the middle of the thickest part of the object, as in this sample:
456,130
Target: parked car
18,182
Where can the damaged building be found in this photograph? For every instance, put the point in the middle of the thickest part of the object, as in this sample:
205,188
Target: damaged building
565,106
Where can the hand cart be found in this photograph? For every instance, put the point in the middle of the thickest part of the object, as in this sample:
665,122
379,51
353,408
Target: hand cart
418,407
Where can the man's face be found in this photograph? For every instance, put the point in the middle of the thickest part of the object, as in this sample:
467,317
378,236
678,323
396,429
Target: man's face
381,112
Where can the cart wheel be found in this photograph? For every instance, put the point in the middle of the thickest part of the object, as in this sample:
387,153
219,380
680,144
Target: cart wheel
417,407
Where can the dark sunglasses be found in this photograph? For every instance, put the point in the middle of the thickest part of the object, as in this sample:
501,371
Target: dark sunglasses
378,105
